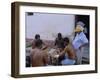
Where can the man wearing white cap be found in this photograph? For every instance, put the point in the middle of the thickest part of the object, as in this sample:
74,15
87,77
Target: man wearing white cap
79,41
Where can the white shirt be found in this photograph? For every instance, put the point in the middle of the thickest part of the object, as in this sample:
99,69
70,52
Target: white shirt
79,40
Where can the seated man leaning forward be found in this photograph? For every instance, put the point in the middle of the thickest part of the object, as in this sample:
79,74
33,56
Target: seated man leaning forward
68,53
38,56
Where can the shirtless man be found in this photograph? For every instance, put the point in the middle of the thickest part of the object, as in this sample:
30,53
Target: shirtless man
37,37
68,53
38,56
59,41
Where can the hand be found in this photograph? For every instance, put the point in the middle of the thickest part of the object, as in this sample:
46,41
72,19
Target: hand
65,49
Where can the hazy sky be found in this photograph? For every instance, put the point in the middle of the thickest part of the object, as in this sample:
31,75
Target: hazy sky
48,25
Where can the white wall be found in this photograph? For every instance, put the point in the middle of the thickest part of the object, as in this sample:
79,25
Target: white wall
48,25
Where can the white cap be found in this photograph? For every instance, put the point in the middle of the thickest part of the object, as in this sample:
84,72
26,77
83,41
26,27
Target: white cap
80,23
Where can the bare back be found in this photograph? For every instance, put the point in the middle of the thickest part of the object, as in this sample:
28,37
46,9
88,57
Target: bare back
38,57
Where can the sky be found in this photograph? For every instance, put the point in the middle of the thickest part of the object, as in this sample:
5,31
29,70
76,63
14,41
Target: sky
48,25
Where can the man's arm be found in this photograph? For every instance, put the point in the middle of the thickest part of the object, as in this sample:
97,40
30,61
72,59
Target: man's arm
31,55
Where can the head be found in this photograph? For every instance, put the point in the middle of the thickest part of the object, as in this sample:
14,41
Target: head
66,41
59,35
38,44
37,36
79,27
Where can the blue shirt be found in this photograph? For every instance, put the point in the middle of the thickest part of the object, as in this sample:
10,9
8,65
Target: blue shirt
79,40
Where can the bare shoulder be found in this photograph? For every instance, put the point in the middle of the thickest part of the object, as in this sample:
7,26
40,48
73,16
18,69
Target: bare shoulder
32,50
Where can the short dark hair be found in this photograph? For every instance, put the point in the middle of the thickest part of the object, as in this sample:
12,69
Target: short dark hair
59,34
66,39
36,36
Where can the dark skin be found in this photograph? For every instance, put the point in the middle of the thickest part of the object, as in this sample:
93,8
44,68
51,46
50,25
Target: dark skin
39,57
37,37
59,41
68,49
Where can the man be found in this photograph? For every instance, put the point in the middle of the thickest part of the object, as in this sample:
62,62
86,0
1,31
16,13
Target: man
38,56
79,41
59,41
37,37
68,53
